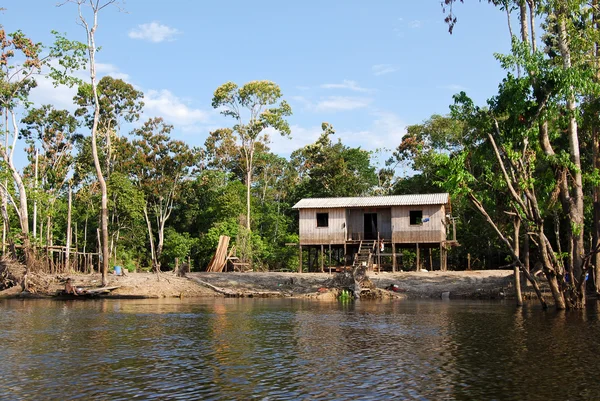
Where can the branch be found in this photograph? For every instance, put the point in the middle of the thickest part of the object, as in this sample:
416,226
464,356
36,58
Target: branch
12,201
514,193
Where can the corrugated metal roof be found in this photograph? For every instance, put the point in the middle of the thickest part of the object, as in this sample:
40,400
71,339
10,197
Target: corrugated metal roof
374,201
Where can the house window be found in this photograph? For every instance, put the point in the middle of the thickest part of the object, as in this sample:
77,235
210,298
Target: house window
322,219
416,217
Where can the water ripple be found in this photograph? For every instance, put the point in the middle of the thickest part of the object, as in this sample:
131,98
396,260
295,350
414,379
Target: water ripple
290,350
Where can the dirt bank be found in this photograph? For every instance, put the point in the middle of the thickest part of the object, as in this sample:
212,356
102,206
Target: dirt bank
472,284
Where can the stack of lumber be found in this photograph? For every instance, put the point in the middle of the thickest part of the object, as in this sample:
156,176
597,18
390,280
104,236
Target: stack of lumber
219,259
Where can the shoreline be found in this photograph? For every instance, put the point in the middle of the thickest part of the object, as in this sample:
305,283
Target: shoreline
478,284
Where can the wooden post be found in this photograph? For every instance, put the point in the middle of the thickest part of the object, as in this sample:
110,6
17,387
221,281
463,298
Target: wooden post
445,257
393,258
453,229
345,255
300,261
430,261
322,259
378,252
329,257
441,256
418,258
468,261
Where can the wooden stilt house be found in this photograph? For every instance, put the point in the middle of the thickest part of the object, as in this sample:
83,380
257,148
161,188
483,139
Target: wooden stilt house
377,226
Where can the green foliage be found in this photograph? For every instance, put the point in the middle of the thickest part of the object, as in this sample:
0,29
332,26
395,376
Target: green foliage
178,245
328,169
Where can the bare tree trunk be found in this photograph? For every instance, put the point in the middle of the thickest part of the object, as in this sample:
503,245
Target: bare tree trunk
596,165
517,230
576,209
68,241
91,47
35,200
532,8
523,19
475,202
151,239
23,215
248,185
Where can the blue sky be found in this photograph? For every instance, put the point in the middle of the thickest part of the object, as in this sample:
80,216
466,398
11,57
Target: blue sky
370,68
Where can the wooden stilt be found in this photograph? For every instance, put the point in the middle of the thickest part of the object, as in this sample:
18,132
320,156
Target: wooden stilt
330,258
394,265
430,261
300,260
443,257
322,259
418,258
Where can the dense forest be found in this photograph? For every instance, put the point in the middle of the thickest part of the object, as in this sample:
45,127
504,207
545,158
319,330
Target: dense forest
522,169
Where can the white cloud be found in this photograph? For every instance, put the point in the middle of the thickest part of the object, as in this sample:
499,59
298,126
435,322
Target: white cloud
384,133
346,84
382,69
415,23
342,103
300,137
164,104
110,69
154,32
61,96
388,130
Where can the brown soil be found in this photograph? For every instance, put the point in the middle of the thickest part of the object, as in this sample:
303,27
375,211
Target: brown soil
465,284
471,284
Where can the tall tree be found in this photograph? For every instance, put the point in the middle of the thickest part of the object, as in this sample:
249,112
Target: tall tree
327,168
538,113
91,26
255,107
21,62
119,102
54,131
159,165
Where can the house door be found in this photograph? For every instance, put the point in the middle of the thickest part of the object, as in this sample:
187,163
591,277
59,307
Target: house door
370,221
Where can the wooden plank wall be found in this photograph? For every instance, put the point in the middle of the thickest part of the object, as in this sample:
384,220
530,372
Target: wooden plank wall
310,234
356,221
384,222
432,231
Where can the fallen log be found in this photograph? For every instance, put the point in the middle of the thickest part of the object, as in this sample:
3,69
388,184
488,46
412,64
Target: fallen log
240,294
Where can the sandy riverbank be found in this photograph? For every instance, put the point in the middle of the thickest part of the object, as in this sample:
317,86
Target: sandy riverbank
491,284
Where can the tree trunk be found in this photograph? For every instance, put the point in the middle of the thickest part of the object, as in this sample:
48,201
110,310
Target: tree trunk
68,241
35,200
155,267
517,229
596,165
576,209
523,19
103,188
161,241
475,202
248,185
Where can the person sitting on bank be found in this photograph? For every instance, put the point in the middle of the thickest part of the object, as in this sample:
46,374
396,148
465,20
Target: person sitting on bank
69,289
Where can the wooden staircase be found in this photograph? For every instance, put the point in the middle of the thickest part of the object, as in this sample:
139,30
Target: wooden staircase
364,254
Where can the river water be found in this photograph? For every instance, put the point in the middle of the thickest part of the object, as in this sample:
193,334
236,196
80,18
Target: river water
265,349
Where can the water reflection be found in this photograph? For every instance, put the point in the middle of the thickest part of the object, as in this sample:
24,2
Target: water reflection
294,349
